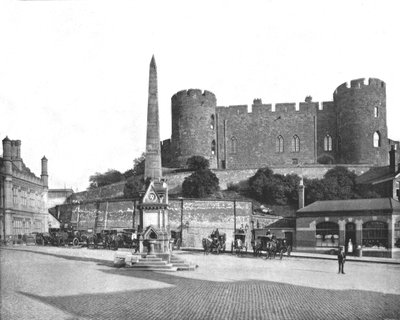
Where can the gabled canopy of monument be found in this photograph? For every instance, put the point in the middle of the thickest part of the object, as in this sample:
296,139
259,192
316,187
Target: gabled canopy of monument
153,150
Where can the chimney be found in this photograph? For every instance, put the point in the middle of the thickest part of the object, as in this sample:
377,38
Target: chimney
301,193
392,159
17,159
44,176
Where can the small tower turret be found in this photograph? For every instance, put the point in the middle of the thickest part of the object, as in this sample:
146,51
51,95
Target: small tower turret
44,176
7,156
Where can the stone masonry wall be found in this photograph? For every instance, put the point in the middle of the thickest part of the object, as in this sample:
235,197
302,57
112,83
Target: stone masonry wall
198,217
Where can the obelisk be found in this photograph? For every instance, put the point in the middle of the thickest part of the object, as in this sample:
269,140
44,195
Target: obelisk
153,150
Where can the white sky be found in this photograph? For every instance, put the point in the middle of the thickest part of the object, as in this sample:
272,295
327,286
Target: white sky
74,74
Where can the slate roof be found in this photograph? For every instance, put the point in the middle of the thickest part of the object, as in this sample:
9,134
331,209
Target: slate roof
352,205
375,174
283,224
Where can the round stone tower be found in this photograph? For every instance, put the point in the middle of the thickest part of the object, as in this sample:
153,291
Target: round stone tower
193,127
361,122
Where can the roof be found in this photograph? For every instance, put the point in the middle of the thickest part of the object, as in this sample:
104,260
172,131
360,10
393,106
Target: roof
352,205
376,174
283,224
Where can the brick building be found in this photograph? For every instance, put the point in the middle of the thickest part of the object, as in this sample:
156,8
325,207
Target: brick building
351,129
23,196
372,224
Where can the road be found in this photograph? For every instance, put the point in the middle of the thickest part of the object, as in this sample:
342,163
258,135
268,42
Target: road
64,283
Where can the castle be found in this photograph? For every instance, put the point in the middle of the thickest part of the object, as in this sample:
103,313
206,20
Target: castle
351,129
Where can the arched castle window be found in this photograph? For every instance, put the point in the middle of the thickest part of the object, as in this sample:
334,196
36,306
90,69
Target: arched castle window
233,145
279,144
376,112
377,139
212,122
295,144
213,147
328,143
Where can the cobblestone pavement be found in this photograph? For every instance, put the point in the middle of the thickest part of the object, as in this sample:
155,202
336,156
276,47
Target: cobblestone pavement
61,283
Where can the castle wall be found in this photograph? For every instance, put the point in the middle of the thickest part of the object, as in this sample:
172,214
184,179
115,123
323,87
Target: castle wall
326,125
357,121
248,140
193,126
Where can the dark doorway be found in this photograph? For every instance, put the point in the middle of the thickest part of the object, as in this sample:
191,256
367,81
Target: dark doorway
289,238
350,235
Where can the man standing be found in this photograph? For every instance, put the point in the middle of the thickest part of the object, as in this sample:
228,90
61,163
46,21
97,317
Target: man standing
341,259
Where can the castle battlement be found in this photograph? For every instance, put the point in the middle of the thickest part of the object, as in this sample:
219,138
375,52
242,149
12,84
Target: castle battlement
288,108
359,84
194,93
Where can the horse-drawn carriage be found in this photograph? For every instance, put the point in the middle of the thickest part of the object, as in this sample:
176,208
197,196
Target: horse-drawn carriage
215,243
239,243
55,237
272,246
113,239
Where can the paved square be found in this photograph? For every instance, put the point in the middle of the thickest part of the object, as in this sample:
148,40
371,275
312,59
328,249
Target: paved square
65,283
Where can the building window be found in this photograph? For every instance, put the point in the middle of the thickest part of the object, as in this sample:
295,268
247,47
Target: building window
295,144
38,226
279,144
233,145
213,147
18,228
377,139
212,122
375,235
327,234
15,194
376,112
328,143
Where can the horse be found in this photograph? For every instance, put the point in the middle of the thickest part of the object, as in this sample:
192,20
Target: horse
272,248
238,246
207,245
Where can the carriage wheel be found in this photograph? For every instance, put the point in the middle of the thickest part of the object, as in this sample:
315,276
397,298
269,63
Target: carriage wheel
75,242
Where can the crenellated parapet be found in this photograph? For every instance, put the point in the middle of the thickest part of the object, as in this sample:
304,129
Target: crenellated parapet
361,83
183,95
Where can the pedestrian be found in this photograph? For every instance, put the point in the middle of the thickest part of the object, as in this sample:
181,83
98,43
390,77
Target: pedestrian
341,259
350,247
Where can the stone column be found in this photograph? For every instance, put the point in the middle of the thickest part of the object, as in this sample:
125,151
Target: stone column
342,232
359,238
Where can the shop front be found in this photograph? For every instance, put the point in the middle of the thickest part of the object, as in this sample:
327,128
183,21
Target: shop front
362,226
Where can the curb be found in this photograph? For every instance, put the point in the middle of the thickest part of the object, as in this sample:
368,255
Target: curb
318,257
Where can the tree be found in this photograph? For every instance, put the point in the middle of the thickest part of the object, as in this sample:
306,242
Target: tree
139,164
200,184
135,180
133,186
103,179
197,163
271,188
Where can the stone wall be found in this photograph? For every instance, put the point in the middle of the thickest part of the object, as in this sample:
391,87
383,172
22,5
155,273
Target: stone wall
198,217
